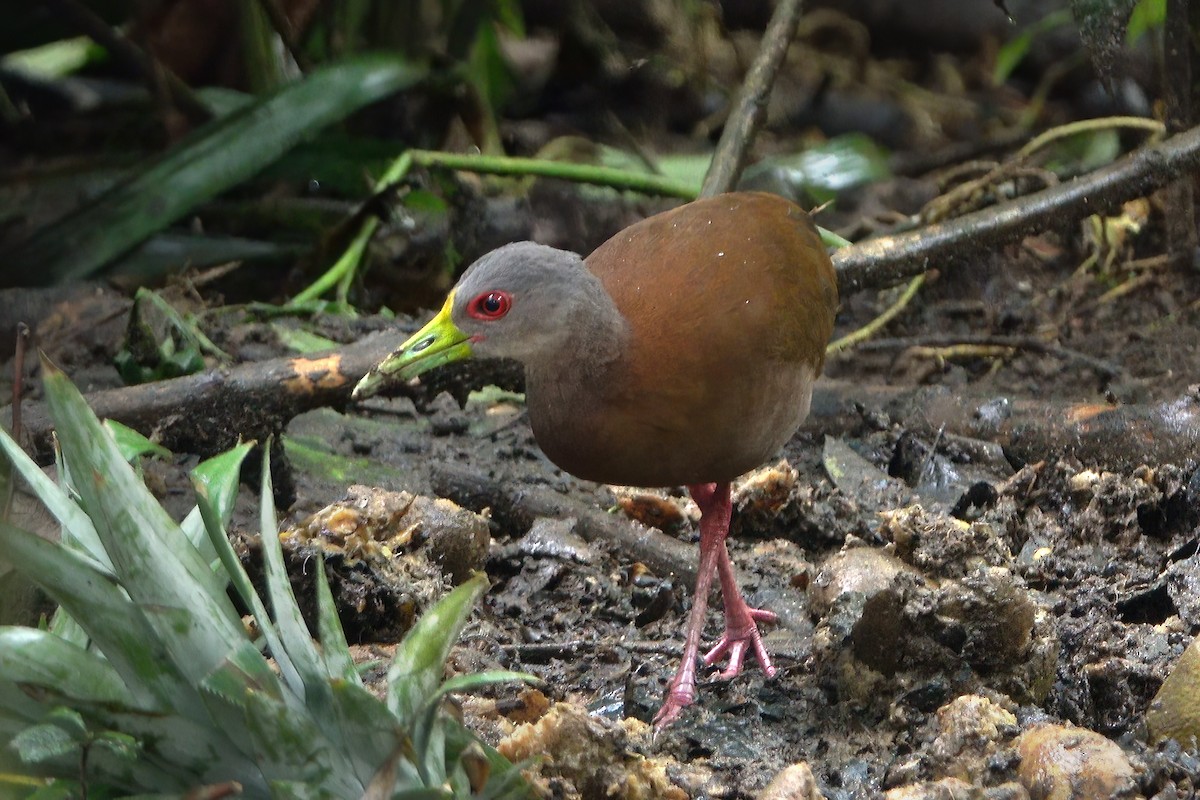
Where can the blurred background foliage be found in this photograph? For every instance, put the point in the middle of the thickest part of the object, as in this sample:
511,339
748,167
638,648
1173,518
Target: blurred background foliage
149,137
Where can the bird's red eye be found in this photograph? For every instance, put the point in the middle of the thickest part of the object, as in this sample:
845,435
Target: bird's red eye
490,305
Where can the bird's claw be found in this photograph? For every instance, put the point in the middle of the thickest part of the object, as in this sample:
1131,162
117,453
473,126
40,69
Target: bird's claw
681,695
737,638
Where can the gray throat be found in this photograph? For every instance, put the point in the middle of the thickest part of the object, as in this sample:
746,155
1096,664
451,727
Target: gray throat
582,364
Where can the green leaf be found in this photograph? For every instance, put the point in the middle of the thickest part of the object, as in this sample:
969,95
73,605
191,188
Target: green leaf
221,477
820,173
339,664
1015,50
78,529
38,658
287,743
477,680
216,158
1147,14
242,585
133,444
293,633
105,612
416,670
43,742
302,341
55,59
153,559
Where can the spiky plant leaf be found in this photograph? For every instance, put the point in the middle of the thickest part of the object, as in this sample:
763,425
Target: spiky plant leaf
103,609
293,632
150,554
242,585
220,476
416,670
40,659
132,443
336,651
76,525
166,693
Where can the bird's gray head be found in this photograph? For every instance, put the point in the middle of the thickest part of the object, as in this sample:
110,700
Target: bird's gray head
525,299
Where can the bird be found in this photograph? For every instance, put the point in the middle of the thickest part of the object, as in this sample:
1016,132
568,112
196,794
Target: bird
681,352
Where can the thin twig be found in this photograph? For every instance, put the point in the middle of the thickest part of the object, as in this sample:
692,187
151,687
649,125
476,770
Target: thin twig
747,114
887,260
873,327
1153,126
1032,343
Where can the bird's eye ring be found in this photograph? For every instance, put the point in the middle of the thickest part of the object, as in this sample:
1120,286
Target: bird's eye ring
490,305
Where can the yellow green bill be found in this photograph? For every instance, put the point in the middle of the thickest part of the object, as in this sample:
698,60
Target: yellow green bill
439,342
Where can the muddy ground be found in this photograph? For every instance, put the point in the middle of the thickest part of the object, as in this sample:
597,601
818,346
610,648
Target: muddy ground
931,568
946,603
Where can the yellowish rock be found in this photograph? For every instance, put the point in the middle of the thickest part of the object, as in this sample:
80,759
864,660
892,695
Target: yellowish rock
1067,763
1175,711
795,782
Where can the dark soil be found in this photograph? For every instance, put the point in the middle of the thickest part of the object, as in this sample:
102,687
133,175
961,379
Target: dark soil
938,595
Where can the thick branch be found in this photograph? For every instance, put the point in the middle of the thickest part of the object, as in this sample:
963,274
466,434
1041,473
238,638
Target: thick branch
1110,437
209,412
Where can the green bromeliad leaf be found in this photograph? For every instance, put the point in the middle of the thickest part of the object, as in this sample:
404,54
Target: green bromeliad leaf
149,678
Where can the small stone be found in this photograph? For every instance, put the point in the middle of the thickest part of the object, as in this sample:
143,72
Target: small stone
1175,711
945,789
855,591
971,729
795,782
1068,763
555,538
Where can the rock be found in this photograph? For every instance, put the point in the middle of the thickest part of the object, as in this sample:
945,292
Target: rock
795,782
593,754
945,789
971,730
989,621
1175,711
376,524
856,592
554,538
941,546
1183,587
1067,763
862,571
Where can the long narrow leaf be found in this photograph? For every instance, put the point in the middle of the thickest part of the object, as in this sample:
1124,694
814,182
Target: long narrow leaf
153,559
217,157
293,633
75,523
339,664
416,670
38,658
243,586
220,476
92,597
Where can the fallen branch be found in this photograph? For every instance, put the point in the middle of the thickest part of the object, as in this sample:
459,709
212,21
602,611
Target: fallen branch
209,412
887,260
1105,436
515,505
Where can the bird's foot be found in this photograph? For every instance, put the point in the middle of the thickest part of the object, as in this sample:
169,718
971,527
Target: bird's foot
681,695
741,633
